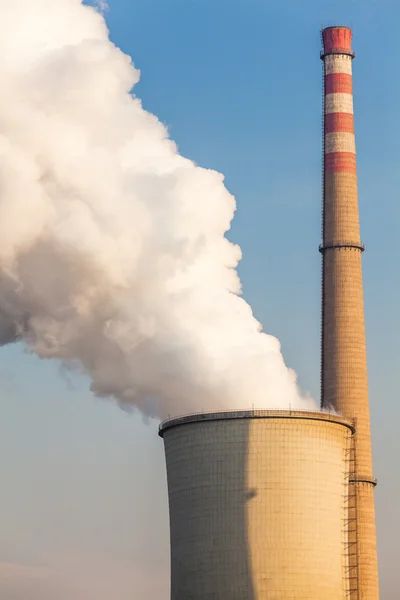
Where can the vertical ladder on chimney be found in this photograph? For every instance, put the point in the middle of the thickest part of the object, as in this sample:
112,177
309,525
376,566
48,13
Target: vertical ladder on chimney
322,232
351,529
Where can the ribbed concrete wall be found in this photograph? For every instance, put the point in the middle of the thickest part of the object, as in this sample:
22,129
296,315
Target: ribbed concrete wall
258,506
344,363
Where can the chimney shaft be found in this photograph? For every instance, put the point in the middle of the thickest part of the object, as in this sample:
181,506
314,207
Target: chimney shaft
344,381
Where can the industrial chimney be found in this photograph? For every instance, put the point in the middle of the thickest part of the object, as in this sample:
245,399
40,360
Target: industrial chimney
344,383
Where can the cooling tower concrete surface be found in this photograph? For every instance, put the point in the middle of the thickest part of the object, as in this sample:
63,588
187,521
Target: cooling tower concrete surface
344,363
258,505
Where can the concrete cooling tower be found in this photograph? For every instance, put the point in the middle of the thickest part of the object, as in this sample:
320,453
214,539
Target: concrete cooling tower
258,505
278,505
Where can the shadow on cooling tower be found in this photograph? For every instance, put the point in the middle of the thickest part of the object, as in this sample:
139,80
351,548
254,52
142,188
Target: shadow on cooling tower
209,498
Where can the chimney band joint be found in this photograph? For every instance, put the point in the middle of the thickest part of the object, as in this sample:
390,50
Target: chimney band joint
356,245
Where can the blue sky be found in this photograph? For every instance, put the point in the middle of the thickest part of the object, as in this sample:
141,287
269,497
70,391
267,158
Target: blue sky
239,85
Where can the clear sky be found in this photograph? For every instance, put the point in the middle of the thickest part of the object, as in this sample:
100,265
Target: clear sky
239,85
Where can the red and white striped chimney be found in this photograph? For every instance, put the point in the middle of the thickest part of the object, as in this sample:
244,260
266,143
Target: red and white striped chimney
340,151
344,380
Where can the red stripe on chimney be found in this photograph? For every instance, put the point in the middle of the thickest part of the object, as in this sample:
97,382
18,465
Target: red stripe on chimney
336,83
337,122
344,162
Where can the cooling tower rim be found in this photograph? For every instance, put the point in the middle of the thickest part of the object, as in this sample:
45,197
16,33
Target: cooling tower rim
306,415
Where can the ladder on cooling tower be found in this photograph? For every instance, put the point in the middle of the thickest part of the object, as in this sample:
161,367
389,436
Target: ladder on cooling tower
351,529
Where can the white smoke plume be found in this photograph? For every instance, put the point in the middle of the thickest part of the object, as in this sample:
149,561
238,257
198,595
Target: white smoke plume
113,254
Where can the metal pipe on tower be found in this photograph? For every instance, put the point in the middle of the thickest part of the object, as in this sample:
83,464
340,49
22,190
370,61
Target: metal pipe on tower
344,381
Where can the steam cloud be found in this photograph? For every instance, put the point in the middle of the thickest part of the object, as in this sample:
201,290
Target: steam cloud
112,251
